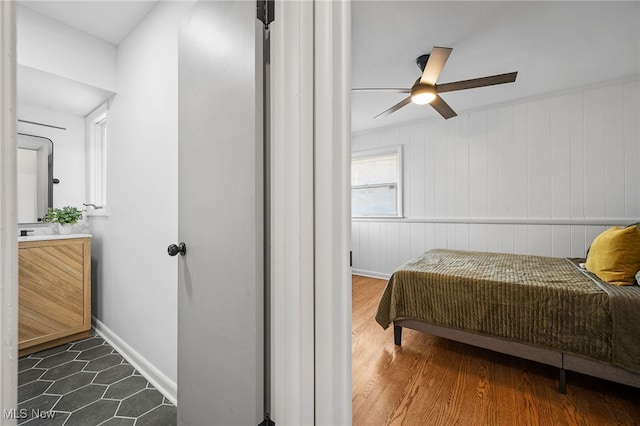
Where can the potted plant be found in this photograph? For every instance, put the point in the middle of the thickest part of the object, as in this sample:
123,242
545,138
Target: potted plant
64,217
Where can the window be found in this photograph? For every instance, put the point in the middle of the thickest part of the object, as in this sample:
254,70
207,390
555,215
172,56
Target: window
97,132
376,183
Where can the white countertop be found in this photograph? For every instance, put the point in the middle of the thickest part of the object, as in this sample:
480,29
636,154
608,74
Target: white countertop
52,237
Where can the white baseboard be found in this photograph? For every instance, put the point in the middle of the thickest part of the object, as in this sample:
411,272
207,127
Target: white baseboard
371,274
166,386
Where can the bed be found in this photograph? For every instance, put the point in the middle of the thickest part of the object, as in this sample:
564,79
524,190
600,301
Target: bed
545,309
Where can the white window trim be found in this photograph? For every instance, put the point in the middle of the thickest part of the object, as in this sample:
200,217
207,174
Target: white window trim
96,154
399,170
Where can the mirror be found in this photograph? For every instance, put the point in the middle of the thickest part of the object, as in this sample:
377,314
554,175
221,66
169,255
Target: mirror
35,177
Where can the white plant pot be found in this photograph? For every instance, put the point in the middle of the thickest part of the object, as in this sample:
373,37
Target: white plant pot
65,229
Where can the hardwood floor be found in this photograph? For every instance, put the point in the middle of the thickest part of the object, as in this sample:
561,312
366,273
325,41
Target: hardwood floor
433,381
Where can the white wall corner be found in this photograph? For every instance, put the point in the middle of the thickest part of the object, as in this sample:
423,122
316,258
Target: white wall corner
157,378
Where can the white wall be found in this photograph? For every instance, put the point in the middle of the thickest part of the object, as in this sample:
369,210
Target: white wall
68,150
48,45
541,177
63,74
61,68
135,280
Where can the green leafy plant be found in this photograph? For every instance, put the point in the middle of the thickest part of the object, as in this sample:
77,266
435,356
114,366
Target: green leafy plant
63,216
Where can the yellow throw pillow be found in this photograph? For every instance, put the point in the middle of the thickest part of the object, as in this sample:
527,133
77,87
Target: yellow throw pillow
614,255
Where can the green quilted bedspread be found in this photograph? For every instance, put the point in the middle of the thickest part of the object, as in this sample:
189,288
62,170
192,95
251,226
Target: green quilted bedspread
543,301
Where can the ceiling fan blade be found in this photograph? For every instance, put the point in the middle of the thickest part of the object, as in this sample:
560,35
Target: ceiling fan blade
437,58
394,108
443,108
381,89
477,82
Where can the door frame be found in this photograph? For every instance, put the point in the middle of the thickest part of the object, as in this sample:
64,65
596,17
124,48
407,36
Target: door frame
310,216
332,210
8,215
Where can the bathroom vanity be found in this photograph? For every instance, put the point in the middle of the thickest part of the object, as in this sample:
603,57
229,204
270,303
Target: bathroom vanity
54,281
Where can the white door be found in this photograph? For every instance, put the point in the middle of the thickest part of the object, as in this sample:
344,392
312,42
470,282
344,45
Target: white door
220,303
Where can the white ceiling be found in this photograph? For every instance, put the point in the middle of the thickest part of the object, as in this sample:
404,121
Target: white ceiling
554,46
108,20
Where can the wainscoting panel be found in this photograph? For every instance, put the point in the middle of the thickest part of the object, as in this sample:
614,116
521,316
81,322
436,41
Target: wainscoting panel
381,247
540,177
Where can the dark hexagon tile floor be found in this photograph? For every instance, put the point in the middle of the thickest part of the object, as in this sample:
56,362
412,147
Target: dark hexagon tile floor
87,383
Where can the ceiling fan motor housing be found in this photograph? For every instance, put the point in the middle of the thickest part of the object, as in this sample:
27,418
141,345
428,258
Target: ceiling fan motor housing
421,61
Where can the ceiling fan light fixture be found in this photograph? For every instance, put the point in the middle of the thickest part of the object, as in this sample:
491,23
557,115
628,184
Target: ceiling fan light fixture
426,90
423,94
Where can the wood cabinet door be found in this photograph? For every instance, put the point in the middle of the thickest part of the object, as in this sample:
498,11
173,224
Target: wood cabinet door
54,297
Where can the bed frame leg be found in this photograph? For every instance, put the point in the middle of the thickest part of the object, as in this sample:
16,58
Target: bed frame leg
397,335
562,376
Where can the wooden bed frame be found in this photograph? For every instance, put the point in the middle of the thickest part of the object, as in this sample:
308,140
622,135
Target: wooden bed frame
557,359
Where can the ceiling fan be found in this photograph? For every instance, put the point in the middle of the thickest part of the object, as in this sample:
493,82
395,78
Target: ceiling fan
426,91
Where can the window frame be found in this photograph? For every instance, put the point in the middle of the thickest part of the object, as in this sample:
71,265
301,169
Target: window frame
96,126
379,152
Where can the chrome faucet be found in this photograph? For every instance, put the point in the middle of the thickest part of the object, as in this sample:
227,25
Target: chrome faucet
92,205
